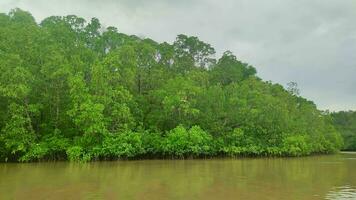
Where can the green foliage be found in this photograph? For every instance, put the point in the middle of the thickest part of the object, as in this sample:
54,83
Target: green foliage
190,52
122,145
75,90
229,70
86,115
233,143
51,147
152,143
17,134
76,153
345,122
296,146
193,142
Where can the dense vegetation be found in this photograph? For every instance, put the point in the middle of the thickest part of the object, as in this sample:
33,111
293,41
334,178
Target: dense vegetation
71,89
345,122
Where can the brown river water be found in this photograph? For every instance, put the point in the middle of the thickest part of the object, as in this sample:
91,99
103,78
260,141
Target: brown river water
315,177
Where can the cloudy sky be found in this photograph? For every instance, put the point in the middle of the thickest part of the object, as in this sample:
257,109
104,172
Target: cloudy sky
311,42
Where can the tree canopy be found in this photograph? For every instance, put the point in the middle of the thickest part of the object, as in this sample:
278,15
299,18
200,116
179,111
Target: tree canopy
345,123
72,89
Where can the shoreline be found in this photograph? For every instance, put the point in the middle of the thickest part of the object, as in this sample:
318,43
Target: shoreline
181,159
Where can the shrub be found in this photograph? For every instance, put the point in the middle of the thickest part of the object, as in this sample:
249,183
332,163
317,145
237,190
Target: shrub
232,143
36,152
75,153
296,145
180,142
152,143
122,145
51,147
200,142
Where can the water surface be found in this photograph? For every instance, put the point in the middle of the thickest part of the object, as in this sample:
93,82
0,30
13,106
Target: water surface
316,177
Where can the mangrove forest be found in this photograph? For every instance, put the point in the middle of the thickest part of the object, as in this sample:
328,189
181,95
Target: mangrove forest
73,89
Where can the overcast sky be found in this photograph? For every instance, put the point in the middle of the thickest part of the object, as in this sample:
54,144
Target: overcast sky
311,42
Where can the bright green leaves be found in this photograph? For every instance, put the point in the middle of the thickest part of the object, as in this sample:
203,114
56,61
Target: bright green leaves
120,117
122,67
116,100
122,145
181,143
297,145
77,154
229,70
86,115
190,51
18,134
234,143
14,78
19,16
179,98
51,147
177,102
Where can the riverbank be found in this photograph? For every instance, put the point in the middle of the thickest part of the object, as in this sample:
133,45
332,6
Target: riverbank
220,156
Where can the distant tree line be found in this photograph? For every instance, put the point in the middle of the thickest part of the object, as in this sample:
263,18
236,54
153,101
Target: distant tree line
345,123
72,89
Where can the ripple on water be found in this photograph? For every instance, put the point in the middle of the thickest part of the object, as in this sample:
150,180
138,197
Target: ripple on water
342,193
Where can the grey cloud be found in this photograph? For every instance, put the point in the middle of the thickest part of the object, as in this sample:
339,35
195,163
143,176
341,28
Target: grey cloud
312,42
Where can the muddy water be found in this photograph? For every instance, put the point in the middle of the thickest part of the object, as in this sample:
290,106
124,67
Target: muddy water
316,177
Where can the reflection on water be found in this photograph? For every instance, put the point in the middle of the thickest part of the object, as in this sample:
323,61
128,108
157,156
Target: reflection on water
342,193
316,177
